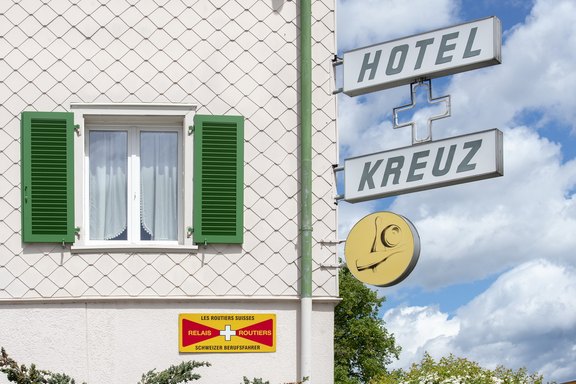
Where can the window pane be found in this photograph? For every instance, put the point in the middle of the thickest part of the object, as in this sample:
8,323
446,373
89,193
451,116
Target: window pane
159,185
107,185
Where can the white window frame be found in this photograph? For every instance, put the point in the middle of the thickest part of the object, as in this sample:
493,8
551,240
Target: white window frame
166,114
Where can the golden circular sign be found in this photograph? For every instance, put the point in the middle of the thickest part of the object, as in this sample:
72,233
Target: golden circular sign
382,249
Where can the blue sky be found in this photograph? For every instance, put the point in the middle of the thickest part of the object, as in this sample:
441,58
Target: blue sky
496,279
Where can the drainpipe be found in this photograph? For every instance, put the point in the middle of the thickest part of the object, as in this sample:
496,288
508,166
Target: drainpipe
306,189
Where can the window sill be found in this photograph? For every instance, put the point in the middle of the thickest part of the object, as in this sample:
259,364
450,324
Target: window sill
131,248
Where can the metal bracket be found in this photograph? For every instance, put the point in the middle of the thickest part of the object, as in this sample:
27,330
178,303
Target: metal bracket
336,61
333,242
333,266
190,130
337,168
77,130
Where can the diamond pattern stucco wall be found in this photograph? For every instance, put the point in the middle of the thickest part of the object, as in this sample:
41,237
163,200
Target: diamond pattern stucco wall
227,57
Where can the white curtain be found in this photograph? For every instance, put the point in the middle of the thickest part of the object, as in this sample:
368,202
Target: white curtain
159,185
107,184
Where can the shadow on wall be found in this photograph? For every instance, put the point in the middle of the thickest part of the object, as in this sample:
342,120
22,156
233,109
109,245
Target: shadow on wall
277,5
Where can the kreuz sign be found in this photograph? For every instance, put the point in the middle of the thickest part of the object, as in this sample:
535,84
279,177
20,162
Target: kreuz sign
434,164
433,54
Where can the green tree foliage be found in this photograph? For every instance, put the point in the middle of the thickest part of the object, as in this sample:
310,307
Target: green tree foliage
362,346
175,374
455,370
20,374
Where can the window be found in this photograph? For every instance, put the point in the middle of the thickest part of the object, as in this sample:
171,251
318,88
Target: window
134,175
138,175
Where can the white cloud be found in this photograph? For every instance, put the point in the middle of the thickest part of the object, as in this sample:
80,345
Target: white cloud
367,22
366,127
472,231
526,318
536,75
414,327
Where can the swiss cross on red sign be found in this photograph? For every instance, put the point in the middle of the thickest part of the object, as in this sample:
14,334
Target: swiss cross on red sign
227,333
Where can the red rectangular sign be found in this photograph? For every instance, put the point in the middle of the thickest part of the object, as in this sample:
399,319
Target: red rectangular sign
226,333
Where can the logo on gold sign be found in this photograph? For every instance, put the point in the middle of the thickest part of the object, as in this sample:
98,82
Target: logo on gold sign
382,249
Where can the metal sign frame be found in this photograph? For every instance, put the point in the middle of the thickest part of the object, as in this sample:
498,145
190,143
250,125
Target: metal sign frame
474,156
433,54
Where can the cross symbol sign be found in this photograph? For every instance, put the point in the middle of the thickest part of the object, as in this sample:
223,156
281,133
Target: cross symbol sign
417,116
228,333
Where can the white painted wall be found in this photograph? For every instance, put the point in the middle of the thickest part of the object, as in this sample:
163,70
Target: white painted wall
116,342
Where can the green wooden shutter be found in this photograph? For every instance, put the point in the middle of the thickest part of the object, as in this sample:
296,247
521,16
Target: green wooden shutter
218,179
47,150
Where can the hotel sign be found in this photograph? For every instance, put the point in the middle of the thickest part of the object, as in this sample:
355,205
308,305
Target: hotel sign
434,164
433,54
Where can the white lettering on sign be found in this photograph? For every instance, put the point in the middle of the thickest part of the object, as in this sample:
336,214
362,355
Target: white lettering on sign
434,164
433,54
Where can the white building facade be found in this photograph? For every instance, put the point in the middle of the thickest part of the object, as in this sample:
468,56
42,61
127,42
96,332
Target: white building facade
150,167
